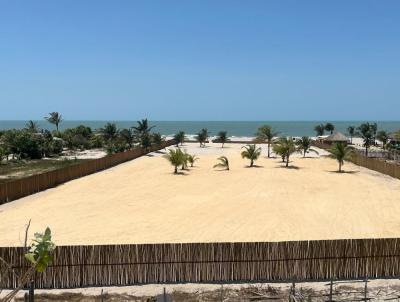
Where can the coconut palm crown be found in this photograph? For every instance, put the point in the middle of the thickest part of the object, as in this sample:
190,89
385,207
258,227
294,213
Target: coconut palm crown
54,118
320,129
251,152
341,152
329,127
266,134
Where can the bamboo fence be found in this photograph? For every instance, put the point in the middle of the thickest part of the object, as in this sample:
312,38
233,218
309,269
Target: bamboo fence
120,265
376,164
26,186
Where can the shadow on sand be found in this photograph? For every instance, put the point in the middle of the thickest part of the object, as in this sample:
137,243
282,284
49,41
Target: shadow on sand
343,172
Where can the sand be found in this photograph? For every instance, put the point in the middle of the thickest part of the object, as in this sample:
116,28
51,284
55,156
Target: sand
142,201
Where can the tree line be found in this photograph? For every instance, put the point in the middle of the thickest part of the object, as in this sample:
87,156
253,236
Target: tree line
32,142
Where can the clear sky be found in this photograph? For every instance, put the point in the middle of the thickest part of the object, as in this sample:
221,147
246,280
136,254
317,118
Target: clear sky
200,60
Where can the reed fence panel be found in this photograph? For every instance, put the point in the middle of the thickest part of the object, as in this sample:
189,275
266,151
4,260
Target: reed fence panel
15,189
120,265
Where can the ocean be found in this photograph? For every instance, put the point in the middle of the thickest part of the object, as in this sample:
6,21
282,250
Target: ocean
234,128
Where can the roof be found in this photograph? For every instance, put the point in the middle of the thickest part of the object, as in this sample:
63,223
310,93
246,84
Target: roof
336,137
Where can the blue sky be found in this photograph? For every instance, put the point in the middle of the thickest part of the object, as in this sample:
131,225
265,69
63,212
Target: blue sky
200,60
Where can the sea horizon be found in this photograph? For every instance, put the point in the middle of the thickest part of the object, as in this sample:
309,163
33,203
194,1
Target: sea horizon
234,128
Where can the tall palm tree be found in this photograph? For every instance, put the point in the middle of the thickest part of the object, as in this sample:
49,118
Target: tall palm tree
223,163
304,144
179,138
320,129
109,132
251,152
329,127
175,157
202,137
54,118
383,136
32,126
366,132
352,131
191,159
285,147
222,137
341,152
266,134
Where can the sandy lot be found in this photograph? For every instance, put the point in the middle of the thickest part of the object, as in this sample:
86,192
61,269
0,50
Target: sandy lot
142,201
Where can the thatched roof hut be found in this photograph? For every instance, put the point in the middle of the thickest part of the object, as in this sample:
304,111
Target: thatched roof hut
336,138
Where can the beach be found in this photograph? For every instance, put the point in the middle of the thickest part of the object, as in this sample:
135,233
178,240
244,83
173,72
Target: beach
142,201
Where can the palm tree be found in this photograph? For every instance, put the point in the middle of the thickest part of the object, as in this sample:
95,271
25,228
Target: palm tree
54,118
128,136
285,147
222,137
341,152
191,159
266,134
179,138
352,131
32,126
157,139
304,144
366,132
251,152
175,157
224,163
383,136
109,132
320,129
329,127
202,137
142,128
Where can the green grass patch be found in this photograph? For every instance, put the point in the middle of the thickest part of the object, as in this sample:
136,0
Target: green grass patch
16,169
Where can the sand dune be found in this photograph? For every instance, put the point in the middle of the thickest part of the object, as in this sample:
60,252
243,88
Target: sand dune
141,201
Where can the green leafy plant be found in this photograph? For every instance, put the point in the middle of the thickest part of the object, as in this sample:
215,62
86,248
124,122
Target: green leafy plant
40,251
266,134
